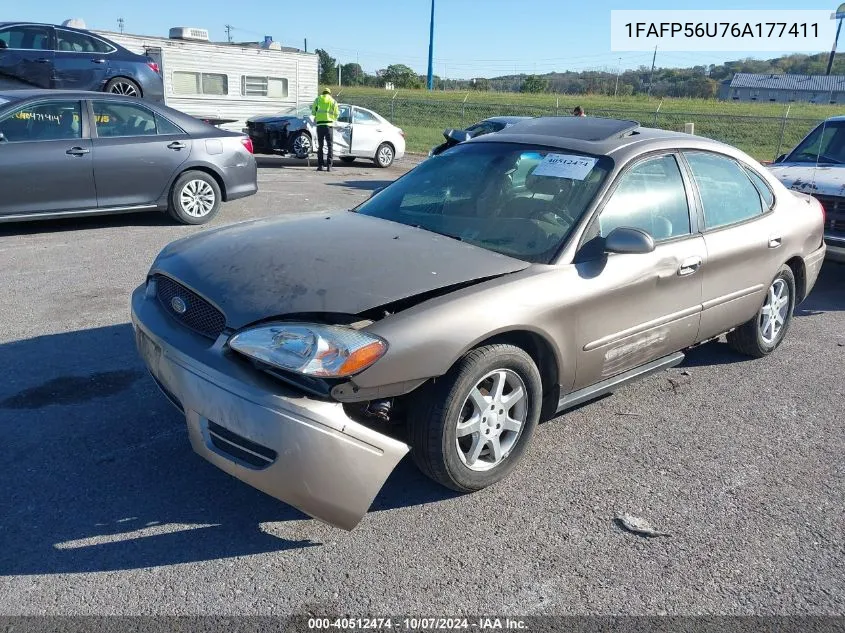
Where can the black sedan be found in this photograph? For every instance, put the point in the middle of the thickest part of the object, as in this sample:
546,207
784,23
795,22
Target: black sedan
66,153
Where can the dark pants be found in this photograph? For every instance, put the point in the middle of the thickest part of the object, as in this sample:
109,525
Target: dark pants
324,137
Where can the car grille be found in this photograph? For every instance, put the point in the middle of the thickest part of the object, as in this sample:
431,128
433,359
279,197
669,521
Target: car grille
834,209
199,315
239,447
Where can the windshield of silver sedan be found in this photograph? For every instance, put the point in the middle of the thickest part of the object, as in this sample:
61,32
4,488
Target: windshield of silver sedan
518,200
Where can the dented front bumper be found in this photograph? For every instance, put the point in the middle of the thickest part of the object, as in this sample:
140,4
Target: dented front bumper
305,452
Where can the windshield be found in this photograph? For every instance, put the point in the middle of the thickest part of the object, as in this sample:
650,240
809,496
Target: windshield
518,200
297,111
826,142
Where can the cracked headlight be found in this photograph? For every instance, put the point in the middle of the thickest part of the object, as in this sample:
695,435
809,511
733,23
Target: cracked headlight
326,351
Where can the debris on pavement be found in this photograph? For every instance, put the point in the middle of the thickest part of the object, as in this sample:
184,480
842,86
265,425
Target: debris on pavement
638,526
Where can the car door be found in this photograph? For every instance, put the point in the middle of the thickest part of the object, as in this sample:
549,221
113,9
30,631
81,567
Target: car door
638,307
26,54
342,133
367,132
81,62
45,159
136,153
742,238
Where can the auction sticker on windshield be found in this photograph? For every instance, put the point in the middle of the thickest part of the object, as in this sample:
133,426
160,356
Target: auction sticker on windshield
565,166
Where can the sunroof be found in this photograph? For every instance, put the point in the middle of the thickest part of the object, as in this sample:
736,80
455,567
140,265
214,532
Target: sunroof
581,128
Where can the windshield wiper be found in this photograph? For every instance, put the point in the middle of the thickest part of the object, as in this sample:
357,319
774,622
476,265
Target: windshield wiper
425,228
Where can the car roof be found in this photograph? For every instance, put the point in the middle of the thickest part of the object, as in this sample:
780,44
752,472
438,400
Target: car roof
20,94
507,119
600,136
66,28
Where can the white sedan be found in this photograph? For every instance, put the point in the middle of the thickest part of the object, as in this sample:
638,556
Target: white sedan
358,133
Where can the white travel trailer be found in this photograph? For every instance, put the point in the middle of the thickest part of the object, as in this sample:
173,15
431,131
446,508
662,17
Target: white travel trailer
226,83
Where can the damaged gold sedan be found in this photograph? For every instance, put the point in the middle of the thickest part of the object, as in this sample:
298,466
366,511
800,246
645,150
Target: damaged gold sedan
498,283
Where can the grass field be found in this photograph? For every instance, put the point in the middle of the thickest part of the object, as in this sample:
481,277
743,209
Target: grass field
753,127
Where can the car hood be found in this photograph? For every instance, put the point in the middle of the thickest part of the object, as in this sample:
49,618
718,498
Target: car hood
274,118
826,180
326,263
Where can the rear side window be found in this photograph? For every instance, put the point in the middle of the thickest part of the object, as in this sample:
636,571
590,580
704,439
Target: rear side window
762,187
70,42
123,119
51,121
166,127
727,193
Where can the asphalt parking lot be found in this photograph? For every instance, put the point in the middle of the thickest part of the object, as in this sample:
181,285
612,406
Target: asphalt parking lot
104,508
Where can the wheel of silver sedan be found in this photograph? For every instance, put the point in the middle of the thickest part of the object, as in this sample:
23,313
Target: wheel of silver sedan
125,88
384,155
491,420
774,313
197,198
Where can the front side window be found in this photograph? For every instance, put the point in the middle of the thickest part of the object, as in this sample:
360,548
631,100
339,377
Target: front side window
122,119
826,144
727,194
651,197
26,37
345,114
51,121
70,42
469,193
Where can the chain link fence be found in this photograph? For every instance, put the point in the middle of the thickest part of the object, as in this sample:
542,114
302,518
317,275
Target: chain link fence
763,137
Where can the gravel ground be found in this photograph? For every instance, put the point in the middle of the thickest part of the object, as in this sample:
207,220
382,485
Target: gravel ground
104,509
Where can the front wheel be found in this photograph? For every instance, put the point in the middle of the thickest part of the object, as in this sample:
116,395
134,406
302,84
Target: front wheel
384,155
469,428
300,145
761,335
195,198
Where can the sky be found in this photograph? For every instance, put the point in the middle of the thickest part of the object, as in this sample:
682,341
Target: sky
473,38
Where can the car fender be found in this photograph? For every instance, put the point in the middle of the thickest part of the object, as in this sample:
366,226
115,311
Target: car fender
191,163
425,341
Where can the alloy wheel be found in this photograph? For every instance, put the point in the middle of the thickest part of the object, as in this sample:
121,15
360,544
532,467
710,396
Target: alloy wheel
124,88
774,312
301,145
385,155
197,198
491,420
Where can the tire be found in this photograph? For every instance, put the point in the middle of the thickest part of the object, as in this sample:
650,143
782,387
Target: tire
756,338
301,144
195,198
384,155
436,412
123,86
348,159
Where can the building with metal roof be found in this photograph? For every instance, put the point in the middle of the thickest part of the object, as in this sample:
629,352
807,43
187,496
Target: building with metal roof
784,88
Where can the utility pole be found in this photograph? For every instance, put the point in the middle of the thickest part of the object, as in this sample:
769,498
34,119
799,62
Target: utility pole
305,44
618,70
651,76
431,50
120,24
840,13
339,68
229,28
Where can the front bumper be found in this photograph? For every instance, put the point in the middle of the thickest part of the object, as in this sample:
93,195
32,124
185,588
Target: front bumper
835,247
305,452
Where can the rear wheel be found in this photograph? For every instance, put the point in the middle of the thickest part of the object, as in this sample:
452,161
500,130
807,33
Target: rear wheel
300,145
195,198
384,155
469,428
123,86
762,334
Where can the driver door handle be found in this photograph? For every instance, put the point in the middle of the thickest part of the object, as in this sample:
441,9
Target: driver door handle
99,60
176,145
689,265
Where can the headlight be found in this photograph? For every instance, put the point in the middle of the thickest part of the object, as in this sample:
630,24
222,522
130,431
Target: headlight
328,351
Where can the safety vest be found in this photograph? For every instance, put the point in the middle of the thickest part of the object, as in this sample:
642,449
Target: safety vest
325,110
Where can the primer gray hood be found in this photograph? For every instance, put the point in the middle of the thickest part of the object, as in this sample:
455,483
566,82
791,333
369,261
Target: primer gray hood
826,180
342,263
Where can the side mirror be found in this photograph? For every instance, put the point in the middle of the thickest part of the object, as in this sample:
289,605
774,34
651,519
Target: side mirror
376,190
3,138
628,240
780,158
3,45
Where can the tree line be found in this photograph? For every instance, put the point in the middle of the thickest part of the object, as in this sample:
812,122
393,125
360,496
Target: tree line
696,81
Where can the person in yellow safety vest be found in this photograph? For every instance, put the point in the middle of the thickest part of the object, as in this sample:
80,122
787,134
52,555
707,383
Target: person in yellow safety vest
325,111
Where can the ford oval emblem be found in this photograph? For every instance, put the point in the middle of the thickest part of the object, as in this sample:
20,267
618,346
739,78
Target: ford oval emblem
178,304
